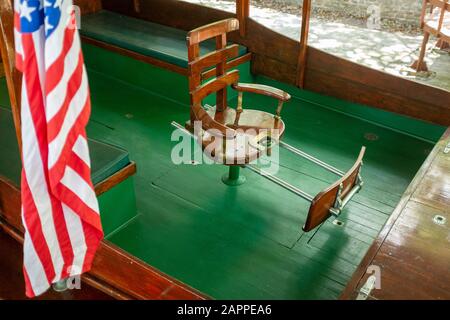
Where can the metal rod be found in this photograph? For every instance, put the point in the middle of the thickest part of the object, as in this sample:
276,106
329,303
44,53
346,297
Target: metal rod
350,195
280,182
311,158
179,126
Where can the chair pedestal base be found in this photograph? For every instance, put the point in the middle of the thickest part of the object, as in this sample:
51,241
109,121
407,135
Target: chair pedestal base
233,177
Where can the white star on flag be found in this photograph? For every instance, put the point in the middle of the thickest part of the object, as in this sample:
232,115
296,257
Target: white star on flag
26,11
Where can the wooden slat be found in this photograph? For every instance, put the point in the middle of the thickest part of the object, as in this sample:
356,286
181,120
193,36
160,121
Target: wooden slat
230,65
214,85
411,250
212,59
212,30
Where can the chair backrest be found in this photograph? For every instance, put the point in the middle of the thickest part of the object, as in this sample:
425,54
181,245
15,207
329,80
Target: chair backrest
319,211
13,76
218,58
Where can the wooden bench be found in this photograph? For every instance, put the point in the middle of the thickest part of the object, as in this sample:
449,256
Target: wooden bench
153,43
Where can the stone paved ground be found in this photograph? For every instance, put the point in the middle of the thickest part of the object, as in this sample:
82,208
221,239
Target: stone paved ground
386,51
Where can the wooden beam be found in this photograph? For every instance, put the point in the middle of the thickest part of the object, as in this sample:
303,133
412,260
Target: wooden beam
242,13
302,54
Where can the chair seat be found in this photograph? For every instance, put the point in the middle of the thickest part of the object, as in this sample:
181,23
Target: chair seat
252,129
248,119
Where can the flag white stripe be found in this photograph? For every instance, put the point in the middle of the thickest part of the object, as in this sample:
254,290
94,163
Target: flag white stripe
76,235
74,182
38,40
33,265
81,150
76,107
34,172
56,39
56,97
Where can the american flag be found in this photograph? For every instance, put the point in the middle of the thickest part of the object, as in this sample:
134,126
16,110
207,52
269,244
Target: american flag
60,212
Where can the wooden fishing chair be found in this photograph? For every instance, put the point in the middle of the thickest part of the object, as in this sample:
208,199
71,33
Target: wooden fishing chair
436,22
236,137
232,127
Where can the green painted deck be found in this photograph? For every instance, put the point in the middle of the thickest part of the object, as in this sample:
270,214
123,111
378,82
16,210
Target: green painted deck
246,241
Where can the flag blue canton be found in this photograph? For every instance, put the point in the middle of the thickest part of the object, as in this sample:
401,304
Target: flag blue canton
52,10
35,13
31,15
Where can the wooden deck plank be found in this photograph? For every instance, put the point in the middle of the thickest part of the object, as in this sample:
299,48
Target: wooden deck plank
412,250
186,227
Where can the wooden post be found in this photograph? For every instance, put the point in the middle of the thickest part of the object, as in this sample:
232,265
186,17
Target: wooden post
242,13
2,72
13,77
301,64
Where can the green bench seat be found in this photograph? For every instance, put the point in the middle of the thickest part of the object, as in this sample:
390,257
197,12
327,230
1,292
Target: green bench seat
106,159
144,37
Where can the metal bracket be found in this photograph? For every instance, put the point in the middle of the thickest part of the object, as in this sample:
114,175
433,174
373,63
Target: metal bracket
367,288
447,148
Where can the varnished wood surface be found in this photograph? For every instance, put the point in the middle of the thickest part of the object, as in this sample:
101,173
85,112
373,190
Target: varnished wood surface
230,65
263,90
276,56
13,77
12,283
319,210
136,55
413,251
115,179
304,32
242,14
88,6
114,271
2,71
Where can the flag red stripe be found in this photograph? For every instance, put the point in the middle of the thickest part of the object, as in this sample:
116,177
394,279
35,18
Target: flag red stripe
57,171
33,223
28,287
74,202
55,72
53,239
38,114
55,124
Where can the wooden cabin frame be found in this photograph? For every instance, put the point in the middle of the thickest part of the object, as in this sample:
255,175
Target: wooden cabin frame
297,63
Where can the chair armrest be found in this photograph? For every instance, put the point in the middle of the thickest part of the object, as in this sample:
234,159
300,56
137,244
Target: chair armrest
262,89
